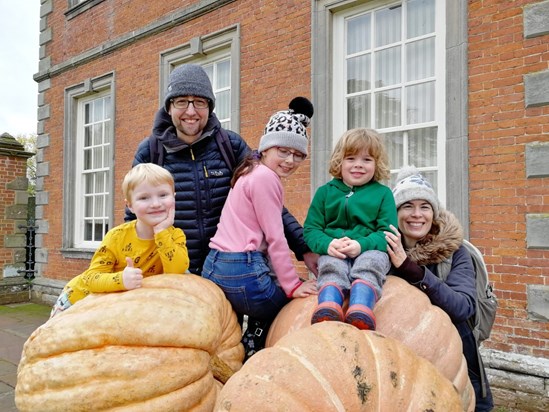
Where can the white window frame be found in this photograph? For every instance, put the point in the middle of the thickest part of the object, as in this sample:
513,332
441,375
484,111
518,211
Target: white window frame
76,96
456,147
80,197
339,109
206,50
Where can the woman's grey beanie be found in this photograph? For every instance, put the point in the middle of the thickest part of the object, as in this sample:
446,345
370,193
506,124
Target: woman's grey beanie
189,80
288,128
411,185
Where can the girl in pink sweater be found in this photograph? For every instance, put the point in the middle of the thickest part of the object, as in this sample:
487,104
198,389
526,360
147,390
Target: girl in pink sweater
250,258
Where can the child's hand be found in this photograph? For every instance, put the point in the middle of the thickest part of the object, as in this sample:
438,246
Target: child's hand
334,249
351,248
131,277
305,289
166,223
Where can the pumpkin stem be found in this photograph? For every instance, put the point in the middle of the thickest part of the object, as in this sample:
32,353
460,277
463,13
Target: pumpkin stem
221,371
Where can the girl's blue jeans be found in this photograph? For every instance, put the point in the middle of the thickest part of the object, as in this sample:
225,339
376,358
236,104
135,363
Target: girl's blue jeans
246,279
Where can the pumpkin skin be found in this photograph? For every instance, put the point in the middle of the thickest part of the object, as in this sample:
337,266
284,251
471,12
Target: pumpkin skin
148,349
407,315
333,366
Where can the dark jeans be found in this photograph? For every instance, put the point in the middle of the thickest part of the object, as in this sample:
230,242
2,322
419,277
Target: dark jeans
246,279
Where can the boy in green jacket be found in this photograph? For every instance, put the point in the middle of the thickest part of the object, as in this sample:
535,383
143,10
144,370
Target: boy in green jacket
345,225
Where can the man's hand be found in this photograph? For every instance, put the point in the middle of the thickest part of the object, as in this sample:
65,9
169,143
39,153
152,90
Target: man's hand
311,261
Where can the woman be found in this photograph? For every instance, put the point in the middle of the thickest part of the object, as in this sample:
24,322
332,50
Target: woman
426,236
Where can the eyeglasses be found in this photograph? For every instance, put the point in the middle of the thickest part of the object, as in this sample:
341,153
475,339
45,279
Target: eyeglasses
285,153
184,103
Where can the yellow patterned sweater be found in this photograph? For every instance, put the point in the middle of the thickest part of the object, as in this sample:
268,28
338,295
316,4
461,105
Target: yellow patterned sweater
166,253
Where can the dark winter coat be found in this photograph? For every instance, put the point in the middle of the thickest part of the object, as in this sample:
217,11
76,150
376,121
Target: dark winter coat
202,183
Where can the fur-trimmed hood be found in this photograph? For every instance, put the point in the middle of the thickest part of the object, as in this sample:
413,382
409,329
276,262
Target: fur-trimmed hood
445,238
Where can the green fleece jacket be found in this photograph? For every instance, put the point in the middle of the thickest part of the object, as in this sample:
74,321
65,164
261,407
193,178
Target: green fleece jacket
361,213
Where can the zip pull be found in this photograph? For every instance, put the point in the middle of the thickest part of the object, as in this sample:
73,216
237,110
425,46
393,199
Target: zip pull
205,170
349,194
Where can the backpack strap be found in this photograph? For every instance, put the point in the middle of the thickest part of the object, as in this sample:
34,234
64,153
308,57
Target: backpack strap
225,147
156,151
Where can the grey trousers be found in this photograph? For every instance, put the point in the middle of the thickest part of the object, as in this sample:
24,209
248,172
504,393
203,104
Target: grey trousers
372,266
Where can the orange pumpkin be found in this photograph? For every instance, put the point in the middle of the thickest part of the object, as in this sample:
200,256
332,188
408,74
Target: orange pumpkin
333,366
148,349
405,314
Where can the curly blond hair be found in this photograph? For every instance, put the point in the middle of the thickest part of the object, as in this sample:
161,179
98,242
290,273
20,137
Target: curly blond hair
353,142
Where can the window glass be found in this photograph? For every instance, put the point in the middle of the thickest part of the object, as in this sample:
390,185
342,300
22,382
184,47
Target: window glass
387,57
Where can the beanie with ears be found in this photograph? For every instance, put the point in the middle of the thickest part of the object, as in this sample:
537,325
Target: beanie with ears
411,185
288,128
189,80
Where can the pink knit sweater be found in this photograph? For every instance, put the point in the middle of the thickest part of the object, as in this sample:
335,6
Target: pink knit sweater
251,220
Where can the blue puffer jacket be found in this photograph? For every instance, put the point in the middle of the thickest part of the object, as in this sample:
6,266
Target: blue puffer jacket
202,183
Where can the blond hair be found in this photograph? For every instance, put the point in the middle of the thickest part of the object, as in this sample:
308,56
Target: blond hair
353,142
145,172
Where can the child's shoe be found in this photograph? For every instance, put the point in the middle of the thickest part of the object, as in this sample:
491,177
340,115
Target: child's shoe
361,302
330,299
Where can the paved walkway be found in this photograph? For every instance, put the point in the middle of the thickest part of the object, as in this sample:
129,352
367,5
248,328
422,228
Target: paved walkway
17,322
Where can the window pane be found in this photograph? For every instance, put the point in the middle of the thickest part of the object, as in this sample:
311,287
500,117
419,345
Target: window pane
97,110
97,157
87,115
97,134
420,59
421,17
358,74
88,206
87,136
422,145
358,34
394,142
358,111
388,66
223,75
388,104
420,103
223,105
388,26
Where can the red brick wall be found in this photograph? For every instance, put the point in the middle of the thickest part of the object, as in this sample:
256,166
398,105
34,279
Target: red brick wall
500,194
268,83
11,168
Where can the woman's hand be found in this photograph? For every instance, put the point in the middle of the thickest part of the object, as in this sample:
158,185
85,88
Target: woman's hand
395,249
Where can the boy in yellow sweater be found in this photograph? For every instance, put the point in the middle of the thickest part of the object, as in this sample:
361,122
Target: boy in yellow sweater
147,246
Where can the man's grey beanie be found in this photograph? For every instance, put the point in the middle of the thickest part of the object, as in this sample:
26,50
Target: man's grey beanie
288,128
411,185
189,80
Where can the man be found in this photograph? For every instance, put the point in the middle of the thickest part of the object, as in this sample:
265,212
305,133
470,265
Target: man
188,131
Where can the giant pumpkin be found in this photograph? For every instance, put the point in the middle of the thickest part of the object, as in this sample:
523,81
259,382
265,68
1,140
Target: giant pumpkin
333,366
148,349
405,314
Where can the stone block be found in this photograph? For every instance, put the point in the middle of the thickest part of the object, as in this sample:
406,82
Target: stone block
537,154
536,89
538,302
536,19
537,228
15,241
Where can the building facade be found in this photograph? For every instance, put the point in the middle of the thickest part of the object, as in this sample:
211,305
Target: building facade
457,88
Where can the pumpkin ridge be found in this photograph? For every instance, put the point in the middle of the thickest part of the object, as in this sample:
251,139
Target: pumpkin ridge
300,357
